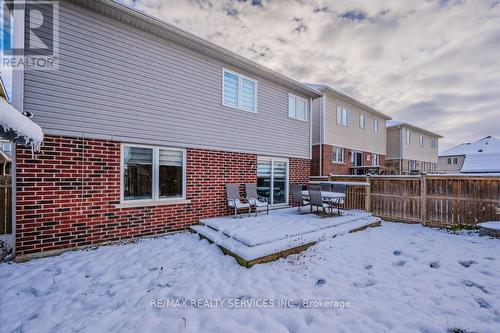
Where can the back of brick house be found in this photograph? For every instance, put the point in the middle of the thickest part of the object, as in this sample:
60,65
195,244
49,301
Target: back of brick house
144,124
349,137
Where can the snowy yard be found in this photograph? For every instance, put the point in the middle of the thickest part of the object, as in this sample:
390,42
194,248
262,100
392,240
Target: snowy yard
396,278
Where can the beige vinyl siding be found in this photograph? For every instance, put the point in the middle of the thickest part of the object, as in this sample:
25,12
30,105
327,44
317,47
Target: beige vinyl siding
352,136
414,151
443,165
316,120
393,143
119,83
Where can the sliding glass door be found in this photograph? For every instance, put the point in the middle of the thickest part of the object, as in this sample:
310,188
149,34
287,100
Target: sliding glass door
272,180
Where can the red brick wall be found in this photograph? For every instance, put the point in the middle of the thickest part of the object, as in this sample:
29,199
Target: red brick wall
63,202
315,160
66,195
299,170
329,167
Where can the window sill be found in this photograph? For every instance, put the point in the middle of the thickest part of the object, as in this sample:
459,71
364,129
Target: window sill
150,203
338,162
298,119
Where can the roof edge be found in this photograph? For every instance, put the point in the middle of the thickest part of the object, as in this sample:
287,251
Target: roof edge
366,107
403,124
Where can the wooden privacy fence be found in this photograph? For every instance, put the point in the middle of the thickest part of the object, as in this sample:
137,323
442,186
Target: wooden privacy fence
433,200
5,205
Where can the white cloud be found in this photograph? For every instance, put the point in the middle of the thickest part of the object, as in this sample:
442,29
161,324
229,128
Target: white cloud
432,63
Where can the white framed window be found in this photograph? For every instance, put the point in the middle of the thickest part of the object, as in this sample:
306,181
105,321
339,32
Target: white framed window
408,137
338,155
375,159
150,173
297,107
421,140
342,115
434,143
362,121
375,126
239,91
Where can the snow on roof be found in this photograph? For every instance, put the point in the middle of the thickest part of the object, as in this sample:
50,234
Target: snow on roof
487,144
16,127
482,162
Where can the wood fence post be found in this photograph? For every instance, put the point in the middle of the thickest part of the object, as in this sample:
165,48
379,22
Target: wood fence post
423,199
368,207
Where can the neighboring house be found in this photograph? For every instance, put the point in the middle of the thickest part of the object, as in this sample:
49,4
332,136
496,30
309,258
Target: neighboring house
349,137
477,156
410,149
144,125
5,157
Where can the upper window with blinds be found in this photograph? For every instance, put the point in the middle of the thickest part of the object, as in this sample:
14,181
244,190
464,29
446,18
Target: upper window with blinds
239,91
297,107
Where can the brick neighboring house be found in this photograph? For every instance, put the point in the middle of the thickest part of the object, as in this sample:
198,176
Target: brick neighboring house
144,124
410,149
348,136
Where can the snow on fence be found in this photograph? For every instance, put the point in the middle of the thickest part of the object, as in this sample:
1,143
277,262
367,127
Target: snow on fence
432,200
6,207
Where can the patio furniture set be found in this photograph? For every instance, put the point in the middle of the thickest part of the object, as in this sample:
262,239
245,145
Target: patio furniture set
326,196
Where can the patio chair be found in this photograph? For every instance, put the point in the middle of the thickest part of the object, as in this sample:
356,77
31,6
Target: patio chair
234,200
254,200
297,197
316,198
339,188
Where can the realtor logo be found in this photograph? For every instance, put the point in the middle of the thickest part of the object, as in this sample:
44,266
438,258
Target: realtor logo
30,34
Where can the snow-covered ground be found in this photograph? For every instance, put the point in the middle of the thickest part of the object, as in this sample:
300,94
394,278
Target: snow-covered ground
395,278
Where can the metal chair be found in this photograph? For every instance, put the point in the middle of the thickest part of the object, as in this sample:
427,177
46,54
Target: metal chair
297,197
339,188
234,200
254,199
316,198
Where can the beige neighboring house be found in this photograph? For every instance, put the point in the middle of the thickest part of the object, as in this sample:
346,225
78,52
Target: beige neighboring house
477,156
410,149
348,135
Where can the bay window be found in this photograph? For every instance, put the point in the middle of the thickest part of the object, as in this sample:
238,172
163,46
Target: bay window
152,173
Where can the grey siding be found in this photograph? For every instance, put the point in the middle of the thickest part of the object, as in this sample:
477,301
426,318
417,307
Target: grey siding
119,83
316,120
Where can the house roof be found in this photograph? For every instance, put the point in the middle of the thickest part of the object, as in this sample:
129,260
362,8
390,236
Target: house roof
488,144
481,162
398,124
155,26
325,88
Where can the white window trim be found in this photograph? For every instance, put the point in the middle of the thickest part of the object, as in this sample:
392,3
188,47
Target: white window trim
287,181
362,116
376,126
421,140
240,87
335,154
373,159
408,137
342,108
306,119
156,200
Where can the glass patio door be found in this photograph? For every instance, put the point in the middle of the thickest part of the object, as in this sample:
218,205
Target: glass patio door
272,180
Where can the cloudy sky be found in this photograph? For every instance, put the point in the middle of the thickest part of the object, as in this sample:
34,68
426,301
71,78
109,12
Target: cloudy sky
435,64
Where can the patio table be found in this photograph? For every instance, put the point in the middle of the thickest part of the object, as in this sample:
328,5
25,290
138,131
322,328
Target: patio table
327,196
